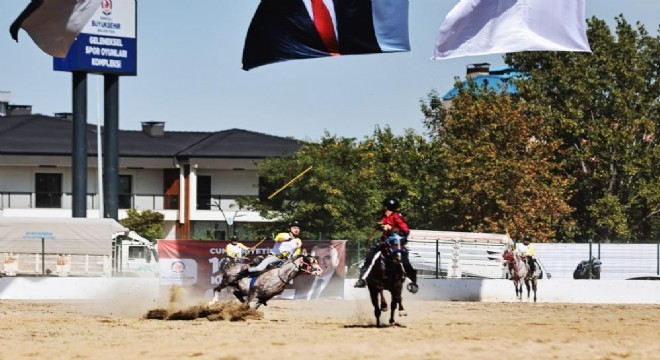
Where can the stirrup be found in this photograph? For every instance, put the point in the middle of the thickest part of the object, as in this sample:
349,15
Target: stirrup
413,288
360,283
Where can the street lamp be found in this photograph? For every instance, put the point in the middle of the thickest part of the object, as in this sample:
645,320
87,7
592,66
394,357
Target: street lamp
229,220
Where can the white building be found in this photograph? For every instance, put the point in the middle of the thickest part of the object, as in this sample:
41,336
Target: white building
180,174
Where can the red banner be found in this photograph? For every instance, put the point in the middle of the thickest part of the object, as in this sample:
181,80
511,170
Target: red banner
196,263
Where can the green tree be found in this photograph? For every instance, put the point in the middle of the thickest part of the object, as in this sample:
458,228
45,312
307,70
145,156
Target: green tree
499,168
407,168
603,107
148,223
331,199
341,196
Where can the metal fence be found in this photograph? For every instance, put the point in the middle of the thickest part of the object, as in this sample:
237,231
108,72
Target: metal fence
437,259
619,261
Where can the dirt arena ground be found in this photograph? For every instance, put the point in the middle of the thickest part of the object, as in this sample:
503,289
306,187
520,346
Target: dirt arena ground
332,329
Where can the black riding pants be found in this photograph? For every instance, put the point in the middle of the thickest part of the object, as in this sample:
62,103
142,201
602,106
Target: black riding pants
532,264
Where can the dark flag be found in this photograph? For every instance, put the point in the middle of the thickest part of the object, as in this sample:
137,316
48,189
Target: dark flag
284,30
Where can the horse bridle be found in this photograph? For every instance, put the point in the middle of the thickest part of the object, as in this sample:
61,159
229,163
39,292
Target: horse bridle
304,267
513,264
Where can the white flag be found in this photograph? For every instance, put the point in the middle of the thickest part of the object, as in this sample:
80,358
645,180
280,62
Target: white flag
481,27
55,24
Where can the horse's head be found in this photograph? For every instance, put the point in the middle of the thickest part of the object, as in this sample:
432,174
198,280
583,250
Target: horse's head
508,255
308,264
597,263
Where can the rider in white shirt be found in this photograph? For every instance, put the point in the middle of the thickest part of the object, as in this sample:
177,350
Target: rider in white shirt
526,252
287,245
235,250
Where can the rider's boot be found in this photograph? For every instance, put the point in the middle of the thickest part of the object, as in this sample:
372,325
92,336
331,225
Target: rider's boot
243,273
411,274
360,283
412,287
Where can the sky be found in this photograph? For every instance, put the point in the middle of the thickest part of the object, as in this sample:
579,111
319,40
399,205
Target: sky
189,73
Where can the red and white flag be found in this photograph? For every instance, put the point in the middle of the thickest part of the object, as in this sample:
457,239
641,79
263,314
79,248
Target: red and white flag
55,24
481,27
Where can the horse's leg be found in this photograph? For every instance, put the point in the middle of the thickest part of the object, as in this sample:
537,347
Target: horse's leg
217,291
239,295
534,285
246,292
396,300
374,301
402,311
383,302
515,286
216,294
248,299
528,286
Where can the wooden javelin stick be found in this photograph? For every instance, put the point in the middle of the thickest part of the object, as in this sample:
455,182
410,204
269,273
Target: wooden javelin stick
290,182
259,243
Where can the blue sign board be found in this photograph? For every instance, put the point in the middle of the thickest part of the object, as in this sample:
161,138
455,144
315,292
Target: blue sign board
107,44
39,235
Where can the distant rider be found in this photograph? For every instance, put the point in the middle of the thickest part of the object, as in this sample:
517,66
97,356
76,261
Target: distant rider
395,232
526,252
235,250
287,246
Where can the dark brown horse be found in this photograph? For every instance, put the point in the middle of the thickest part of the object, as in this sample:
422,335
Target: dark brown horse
386,274
584,268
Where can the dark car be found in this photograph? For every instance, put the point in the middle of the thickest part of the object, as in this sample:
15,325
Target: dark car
583,269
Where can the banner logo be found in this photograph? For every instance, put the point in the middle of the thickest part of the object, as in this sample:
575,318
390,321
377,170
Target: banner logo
178,267
107,7
177,271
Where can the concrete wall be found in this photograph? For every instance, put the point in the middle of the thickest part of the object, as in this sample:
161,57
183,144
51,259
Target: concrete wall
550,291
77,288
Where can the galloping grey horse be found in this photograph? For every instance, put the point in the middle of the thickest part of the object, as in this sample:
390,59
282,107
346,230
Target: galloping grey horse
269,283
229,270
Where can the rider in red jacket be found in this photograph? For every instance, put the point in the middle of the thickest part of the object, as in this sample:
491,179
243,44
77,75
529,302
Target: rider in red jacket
395,233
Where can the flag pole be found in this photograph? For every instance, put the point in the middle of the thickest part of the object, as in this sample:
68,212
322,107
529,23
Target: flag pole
99,152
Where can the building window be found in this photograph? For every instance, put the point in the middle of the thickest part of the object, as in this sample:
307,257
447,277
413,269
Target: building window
171,189
48,190
266,188
125,192
204,192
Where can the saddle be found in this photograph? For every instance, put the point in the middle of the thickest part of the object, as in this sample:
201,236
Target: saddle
256,261
385,262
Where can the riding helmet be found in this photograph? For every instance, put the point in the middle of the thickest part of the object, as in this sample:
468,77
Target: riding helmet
233,238
295,223
527,238
391,204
